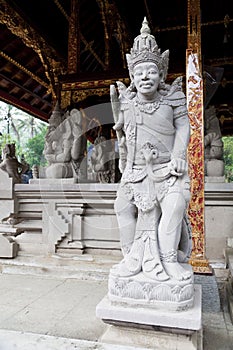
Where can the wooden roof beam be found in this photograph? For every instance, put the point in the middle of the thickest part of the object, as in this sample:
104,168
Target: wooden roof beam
23,88
72,29
4,96
113,22
19,27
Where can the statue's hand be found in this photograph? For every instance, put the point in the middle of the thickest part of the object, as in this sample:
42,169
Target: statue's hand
178,166
50,157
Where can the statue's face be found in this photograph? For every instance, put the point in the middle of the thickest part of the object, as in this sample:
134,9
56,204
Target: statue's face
76,115
146,77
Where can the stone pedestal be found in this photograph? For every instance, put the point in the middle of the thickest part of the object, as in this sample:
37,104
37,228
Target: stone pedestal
7,204
229,286
152,328
6,185
141,291
8,248
215,179
215,168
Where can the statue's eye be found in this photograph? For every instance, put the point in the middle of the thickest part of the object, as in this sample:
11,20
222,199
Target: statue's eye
152,72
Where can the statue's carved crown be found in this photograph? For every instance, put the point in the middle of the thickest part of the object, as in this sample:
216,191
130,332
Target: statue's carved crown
144,49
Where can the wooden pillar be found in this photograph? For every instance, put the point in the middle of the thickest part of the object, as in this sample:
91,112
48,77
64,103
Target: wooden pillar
73,63
195,105
74,38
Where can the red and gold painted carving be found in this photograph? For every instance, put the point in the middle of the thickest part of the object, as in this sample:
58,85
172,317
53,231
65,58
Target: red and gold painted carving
194,86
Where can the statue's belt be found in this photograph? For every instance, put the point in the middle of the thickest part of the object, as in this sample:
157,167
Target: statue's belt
161,157
157,172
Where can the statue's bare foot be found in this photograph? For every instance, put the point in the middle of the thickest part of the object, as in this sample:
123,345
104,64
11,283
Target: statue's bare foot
161,276
156,273
176,271
122,270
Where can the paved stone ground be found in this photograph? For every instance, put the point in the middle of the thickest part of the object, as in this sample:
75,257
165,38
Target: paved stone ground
52,313
217,326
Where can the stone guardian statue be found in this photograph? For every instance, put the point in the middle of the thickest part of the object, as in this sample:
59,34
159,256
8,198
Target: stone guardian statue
153,130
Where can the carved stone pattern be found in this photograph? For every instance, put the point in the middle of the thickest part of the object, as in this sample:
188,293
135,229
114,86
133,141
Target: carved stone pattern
148,291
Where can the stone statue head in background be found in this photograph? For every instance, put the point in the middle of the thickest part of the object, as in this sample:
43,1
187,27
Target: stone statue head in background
10,163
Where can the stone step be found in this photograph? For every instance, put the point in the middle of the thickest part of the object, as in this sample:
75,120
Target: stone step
12,340
84,267
30,225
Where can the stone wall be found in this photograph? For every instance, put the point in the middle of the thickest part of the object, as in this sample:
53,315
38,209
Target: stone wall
218,219
61,216
58,216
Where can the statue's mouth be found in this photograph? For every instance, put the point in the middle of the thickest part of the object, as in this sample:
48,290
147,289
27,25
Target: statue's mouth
147,85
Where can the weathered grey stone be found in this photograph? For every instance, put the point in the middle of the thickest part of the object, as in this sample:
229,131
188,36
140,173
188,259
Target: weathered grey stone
153,282
189,319
214,164
152,125
152,328
65,145
229,287
218,219
144,292
152,340
8,247
6,185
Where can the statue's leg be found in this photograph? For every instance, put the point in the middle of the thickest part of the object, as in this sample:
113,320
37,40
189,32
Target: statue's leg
126,217
147,230
173,208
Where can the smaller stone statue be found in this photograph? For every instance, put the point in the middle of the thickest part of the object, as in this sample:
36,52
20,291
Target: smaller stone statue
103,160
214,164
99,161
10,163
64,144
35,171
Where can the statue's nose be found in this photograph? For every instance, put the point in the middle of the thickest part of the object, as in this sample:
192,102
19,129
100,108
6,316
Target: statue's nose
144,75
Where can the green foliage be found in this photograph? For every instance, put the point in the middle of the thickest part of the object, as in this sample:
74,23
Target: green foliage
25,131
228,157
34,149
6,138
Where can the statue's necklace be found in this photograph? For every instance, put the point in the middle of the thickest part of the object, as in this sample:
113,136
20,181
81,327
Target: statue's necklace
148,107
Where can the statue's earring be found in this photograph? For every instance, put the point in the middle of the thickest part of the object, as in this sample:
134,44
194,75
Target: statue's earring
162,85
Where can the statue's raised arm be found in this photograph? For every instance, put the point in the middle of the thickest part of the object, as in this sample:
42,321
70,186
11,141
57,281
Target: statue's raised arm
119,123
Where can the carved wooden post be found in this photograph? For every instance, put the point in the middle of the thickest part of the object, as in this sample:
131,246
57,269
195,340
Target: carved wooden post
74,39
194,87
73,64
